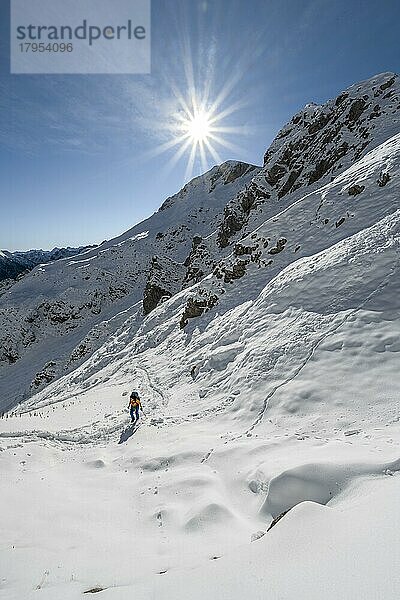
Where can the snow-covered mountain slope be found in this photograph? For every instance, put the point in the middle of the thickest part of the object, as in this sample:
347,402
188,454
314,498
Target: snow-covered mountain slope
354,200
188,236
13,264
268,459
293,398
46,317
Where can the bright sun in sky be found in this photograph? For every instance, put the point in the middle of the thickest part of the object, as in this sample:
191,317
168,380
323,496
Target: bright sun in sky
198,131
198,126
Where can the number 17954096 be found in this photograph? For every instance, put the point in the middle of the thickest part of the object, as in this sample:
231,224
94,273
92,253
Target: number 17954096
42,47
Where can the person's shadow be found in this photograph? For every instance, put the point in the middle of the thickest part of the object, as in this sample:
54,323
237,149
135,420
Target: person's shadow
127,433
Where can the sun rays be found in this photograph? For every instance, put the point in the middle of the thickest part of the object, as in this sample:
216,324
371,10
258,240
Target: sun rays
199,130
202,120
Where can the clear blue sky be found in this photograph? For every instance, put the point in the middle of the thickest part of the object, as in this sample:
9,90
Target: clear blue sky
77,154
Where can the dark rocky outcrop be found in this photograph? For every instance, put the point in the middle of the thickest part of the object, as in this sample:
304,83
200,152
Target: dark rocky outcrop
387,83
384,178
164,280
46,375
195,307
236,272
356,189
280,245
236,214
197,263
340,222
356,109
153,294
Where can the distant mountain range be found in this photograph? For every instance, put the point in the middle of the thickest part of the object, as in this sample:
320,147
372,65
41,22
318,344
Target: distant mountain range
13,264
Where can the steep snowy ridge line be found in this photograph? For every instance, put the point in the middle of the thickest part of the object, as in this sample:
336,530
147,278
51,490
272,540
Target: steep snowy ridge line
316,145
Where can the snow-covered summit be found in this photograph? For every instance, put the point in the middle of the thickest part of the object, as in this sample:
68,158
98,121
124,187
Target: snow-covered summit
219,175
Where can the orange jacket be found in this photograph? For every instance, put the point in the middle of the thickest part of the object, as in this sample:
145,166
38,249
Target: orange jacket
135,402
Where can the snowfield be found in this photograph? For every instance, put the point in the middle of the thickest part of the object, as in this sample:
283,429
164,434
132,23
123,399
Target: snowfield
267,463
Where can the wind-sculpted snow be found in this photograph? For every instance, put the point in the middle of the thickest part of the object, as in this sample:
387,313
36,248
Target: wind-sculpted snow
314,222
317,483
290,400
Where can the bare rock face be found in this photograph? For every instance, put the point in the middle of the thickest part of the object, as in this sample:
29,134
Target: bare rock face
153,295
46,375
384,178
229,273
196,306
312,145
236,213
356,189
199,262
164,280
280,245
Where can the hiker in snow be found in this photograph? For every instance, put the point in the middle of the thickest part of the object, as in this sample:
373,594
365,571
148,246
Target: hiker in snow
134,405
